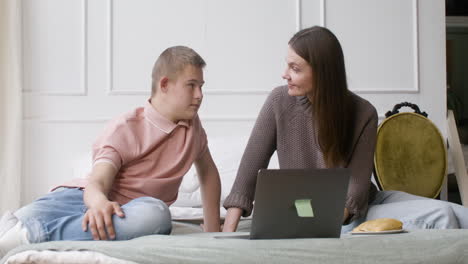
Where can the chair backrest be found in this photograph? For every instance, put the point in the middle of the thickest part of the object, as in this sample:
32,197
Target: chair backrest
410,153
455,151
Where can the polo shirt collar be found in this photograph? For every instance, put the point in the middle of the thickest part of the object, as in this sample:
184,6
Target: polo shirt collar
161,122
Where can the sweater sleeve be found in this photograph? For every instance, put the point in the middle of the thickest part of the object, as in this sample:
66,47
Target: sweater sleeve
361,166
257,154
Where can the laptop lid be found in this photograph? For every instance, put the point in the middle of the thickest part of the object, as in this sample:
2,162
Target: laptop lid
299,203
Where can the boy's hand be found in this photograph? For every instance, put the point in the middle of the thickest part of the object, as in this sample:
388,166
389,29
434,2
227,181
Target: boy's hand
100,210
99,219
210,186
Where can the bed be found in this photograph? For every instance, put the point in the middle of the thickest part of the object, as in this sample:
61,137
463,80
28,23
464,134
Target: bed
187,244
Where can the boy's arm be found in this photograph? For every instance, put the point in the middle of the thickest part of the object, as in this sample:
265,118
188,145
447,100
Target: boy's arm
210,190
100,209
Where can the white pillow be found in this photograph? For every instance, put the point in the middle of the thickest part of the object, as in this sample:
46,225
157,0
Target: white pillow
227,153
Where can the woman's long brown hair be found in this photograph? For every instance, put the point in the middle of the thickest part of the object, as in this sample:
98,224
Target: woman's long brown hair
332,105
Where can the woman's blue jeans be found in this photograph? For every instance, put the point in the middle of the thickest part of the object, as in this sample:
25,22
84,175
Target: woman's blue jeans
415,212
58,216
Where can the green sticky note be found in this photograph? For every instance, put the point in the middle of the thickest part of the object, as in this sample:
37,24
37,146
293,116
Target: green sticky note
304,208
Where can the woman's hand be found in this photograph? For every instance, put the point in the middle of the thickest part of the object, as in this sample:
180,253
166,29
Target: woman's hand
346,216
232,219
204,229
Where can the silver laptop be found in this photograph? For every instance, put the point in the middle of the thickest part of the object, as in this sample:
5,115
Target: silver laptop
298,203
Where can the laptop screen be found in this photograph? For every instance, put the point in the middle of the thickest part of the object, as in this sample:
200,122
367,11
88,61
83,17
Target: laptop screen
299,203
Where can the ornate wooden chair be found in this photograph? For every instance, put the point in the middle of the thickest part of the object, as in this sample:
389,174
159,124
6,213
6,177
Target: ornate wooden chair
410,154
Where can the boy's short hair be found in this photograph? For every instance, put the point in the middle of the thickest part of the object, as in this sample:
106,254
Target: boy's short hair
172,61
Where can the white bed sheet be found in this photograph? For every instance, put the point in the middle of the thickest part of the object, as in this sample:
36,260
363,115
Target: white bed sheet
59,257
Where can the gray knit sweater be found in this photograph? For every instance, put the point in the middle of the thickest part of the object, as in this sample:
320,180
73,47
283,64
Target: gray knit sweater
285,124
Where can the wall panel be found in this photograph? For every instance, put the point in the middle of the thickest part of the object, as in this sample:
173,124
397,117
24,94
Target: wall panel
86,62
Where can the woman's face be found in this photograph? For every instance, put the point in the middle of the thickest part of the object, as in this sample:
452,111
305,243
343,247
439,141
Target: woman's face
298,74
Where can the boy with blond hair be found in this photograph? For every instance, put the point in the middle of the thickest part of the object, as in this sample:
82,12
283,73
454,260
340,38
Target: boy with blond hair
138,164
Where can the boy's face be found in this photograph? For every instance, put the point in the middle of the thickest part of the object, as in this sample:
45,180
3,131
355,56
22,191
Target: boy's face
184,93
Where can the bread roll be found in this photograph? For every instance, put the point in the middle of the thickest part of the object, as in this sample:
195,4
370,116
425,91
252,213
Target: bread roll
380,224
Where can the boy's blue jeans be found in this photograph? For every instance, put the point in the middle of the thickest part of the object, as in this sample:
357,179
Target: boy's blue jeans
58,216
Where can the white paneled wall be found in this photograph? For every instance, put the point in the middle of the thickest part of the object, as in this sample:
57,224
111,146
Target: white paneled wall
380,44
54,36
88,61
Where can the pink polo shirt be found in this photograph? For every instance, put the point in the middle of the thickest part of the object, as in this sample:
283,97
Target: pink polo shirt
150,152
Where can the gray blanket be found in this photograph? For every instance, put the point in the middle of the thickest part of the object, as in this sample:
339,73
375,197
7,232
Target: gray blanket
421,246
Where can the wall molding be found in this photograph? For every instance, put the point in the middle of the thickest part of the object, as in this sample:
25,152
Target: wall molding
110,48
83,91
106,119
205,92
298,4
266,92
110,69
298,15
299,24
416,70
322,13
68,121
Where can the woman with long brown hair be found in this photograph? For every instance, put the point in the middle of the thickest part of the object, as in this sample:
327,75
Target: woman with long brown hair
316,122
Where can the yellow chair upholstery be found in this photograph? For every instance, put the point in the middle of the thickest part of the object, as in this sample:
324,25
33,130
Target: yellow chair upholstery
410,155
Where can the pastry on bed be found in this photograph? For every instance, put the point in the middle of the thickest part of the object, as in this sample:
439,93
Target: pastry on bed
378,225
